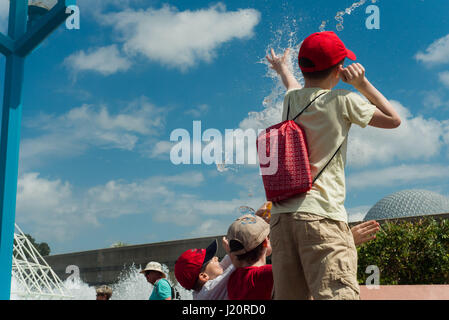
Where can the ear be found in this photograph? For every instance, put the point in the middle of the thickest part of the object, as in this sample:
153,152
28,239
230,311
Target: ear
203,277
337,71
267,245
265,242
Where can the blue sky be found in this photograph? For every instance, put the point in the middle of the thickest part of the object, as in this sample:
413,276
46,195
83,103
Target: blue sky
100,103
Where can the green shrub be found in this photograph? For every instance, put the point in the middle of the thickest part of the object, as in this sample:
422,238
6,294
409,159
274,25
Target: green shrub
408,253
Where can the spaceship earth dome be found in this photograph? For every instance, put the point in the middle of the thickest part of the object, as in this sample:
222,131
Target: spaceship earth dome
408,203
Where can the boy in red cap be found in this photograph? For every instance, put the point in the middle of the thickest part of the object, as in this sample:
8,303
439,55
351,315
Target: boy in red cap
314,254
200,271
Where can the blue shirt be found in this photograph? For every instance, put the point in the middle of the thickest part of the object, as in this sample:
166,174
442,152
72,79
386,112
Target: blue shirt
161,290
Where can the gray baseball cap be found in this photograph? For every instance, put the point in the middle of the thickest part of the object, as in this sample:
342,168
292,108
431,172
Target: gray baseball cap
248,230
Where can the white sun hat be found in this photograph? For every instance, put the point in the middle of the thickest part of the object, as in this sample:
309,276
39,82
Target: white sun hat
154,266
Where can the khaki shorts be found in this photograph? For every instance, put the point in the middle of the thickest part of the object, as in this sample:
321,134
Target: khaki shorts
313,258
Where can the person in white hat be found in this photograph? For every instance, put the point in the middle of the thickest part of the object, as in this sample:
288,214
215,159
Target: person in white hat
156,276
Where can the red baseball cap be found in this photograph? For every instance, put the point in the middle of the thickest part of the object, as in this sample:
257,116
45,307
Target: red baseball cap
190,263
324,49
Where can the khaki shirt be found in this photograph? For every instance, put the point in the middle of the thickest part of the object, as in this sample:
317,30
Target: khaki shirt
326,123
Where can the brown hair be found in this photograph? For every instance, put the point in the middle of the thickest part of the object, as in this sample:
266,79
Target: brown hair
250,256
316,75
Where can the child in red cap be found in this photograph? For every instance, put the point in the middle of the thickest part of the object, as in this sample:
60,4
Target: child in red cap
200,271
314,254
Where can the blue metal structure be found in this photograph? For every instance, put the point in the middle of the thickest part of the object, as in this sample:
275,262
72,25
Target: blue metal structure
23,37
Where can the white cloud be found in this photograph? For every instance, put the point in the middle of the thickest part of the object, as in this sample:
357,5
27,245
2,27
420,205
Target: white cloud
54,211
4,13
446,132
97,7
444,78
211,227
434,99
89,126
250,183
397,176
105,60
357,214
161,149
199,111
48,206
372,145
181,39
436,53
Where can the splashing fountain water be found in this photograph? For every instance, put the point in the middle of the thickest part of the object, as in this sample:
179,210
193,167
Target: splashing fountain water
33,279
339,15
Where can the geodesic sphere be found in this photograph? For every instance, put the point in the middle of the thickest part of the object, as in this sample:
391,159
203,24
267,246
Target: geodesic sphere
408,203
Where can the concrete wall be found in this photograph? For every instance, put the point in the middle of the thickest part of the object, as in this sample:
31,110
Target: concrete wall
104,266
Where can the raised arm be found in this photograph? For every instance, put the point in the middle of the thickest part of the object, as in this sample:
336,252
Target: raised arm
279,64
385,116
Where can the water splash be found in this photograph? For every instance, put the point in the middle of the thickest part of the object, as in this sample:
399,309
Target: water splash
79,290
246,210
131,285
348,11
266,213
271,112
227,166
322,27
339,15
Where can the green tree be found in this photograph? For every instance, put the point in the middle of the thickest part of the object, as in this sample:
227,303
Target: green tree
119,244
43,248
408,253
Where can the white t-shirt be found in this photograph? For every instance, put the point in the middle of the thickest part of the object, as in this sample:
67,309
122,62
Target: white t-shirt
216,289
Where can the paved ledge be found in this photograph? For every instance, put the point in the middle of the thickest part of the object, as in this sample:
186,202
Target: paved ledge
406,292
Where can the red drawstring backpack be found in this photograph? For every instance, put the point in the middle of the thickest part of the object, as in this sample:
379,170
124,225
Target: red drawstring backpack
284,159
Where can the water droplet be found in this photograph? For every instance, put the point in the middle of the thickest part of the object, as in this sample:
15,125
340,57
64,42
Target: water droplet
221,167
322,26
246,210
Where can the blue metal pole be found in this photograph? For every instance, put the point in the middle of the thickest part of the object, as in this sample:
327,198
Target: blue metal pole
16,46
10,142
